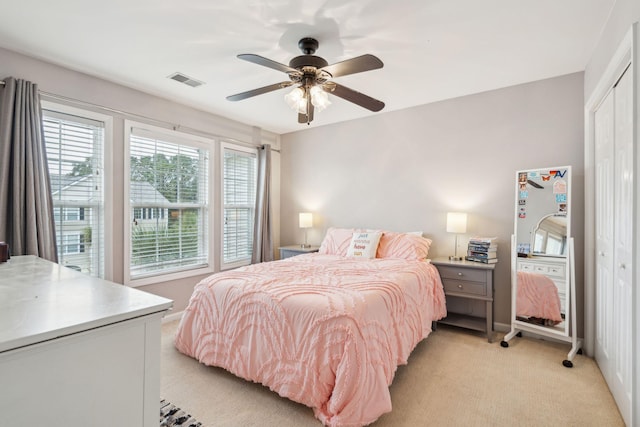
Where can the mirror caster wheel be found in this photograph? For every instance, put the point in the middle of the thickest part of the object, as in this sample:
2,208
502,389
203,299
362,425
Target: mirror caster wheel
504,344
519,334
567,363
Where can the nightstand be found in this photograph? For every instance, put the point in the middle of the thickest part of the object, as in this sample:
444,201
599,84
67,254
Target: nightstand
293,250
468,287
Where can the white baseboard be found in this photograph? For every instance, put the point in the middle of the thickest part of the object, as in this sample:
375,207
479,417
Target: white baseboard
171,317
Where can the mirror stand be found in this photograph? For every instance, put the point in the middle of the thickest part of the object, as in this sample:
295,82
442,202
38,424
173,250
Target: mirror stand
519,326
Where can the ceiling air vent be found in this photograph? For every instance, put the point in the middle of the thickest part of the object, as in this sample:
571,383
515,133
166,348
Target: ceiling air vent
179,77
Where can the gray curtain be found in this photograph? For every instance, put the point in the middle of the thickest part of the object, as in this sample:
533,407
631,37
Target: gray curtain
26,206
262,240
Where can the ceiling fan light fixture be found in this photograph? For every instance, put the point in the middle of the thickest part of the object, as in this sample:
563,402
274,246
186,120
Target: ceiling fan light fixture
297,100
319,98
294,96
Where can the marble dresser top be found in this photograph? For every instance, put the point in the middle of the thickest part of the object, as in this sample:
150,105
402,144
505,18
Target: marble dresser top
41,300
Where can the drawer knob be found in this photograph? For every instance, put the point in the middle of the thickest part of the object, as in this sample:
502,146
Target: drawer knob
459,274
459,286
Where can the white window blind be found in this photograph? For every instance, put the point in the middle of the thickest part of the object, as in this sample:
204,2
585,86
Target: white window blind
168,204
239,194
75,159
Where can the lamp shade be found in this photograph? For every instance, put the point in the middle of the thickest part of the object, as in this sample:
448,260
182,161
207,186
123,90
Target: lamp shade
305,220
456,222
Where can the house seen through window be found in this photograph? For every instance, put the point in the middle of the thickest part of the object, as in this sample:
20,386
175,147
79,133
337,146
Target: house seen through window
74,147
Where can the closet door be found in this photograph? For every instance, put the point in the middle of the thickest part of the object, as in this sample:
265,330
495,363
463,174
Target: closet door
604,202
623,244
614,240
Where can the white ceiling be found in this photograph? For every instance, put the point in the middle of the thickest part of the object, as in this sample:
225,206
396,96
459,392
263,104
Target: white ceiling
432,49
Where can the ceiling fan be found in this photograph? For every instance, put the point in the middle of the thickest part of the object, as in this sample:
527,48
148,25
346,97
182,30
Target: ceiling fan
312,77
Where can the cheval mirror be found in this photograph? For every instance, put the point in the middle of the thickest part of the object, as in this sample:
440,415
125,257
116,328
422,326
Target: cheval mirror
542,258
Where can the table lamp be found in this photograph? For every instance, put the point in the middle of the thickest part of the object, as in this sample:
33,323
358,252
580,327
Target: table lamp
456,223
305,220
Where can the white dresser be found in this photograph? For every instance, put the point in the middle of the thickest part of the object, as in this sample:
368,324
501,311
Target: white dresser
76,350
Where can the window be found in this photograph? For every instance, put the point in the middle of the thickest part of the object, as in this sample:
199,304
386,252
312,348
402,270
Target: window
239,195
554,244
74,145
168,201
72,244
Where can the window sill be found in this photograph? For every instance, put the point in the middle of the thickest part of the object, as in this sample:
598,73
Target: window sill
167,277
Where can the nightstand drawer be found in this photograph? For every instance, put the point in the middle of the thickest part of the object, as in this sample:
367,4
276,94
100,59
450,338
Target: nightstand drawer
466,274
464,287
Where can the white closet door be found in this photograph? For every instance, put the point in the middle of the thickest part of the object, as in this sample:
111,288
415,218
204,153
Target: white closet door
604,199
614,240
620,384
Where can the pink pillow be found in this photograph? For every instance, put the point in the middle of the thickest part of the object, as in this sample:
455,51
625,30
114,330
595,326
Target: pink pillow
403,245
336,241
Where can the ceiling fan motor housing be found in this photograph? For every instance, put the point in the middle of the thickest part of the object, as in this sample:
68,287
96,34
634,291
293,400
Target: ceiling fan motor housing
307,61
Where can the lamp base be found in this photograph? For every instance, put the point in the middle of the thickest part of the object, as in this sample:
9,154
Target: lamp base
455,258
304,245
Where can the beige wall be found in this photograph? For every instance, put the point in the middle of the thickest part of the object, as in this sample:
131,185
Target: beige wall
623,15
64,82
404,170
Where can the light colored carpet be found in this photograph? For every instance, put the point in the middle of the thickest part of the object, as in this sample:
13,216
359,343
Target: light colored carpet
454,378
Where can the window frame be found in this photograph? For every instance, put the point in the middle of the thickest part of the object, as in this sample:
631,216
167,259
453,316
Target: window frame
226,145
175,137
107,174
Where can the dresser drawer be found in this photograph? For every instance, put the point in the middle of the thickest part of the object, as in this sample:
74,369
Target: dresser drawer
556,270
463,287
551,270
465,274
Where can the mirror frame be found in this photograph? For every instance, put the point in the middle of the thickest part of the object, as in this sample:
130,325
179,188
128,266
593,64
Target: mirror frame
522,252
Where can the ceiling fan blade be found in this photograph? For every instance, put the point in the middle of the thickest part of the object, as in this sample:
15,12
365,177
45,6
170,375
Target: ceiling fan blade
261,60
534,184
353,66
351,95
259,91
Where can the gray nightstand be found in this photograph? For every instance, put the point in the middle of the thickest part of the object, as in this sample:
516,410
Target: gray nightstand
468,287
293,250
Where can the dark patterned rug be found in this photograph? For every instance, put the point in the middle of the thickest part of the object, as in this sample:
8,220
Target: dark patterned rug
171,415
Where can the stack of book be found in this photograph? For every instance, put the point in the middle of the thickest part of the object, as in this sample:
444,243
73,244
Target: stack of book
483,249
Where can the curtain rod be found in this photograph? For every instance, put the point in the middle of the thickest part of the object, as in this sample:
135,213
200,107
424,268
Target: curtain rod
139,116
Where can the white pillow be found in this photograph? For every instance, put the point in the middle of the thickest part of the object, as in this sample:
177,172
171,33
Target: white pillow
364,244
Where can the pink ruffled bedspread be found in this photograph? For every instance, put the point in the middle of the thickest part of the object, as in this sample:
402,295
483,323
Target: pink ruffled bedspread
537,297
322,330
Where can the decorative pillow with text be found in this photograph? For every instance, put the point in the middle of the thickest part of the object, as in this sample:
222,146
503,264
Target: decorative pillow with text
364,244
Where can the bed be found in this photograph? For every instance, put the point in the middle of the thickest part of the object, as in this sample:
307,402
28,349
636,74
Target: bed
324,329
537,299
